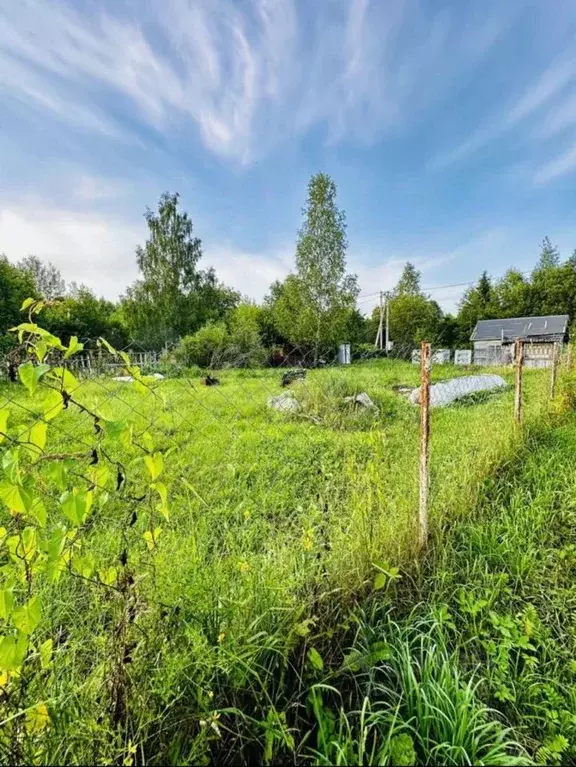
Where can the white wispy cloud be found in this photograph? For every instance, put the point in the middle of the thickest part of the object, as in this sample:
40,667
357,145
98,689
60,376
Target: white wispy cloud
545,108
558,166
246,75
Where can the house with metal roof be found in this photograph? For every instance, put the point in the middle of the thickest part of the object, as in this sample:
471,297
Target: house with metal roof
494,339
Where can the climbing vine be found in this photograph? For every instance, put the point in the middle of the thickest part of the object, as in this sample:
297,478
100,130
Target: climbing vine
55,479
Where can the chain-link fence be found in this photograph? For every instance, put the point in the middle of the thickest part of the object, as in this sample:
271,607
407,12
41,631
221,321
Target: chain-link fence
223,503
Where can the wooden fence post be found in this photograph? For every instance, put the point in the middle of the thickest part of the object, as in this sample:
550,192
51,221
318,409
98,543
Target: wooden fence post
425,365
554,373
569,356
519,363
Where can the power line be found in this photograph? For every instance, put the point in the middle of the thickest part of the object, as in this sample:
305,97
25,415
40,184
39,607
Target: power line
367,296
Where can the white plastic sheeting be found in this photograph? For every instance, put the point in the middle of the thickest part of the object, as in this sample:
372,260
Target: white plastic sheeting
442,394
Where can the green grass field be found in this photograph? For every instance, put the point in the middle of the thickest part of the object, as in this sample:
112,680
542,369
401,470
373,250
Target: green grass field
279,525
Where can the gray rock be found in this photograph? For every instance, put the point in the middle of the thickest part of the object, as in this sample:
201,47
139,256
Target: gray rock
284,403
442,394
362,399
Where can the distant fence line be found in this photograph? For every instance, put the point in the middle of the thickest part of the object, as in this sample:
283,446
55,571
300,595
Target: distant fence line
100,361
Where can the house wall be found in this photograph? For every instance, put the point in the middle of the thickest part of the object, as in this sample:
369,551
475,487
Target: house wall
536,354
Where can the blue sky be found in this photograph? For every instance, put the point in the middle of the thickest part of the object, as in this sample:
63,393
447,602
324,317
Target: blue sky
449,127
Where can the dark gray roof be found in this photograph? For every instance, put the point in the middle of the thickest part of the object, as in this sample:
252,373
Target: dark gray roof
552,327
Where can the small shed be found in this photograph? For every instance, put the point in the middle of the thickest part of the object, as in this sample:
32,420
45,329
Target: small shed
494,339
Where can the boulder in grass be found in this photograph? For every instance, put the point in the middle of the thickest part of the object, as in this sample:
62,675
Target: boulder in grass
363,400
284,403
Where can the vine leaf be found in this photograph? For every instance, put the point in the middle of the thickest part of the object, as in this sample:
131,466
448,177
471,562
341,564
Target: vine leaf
18,500
6,603
163,493
30,375
154,464
76,505
52,405
46,653
151,537
12,652
3,423
73,347
37,719
27,617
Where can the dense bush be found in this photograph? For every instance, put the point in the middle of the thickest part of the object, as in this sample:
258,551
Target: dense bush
216,346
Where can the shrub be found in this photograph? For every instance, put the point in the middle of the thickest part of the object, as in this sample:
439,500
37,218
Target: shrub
204,348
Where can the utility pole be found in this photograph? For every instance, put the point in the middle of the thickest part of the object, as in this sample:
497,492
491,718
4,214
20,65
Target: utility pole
380,334
387,323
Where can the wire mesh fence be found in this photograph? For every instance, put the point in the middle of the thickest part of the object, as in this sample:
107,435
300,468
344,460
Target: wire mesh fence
138,491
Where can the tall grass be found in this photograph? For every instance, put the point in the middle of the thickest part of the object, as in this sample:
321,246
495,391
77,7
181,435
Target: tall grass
279,527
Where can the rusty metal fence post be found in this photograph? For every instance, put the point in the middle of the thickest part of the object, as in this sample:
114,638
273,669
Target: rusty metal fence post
554,373
425,366
519,364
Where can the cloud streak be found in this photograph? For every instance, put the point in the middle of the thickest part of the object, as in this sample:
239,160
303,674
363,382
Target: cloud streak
246,75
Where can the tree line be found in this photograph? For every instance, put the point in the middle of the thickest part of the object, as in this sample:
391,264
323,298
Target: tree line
181,307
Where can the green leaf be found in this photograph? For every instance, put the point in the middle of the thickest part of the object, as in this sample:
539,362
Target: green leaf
12,652
46,650
85,565
154,464
52,405
26,303
65,379
73,347
25,327
6,603
100,476
27,617
3,424
379,581
151,537
315,659
108,575
57,473
120,431
40,349
76,505
54,560
147,441
31,374
34,439
28,545
17,499
108,346
163,493
11,465
37,719
38,511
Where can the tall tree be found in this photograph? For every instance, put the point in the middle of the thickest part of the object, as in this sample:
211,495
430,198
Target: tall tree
512,295
47,277
173,297
548,294
477,304
315,304
549,256
409,282
413,316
